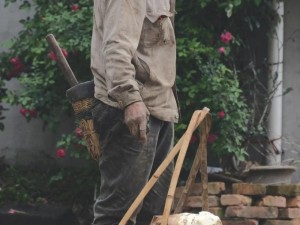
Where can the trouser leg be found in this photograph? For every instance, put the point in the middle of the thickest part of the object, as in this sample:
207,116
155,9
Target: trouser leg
125,164
155,200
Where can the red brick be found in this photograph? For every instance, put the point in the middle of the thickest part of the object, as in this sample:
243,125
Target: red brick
276,201
239,222
289,213
293,202
252,212
218,211
249,189
235,199
289,190
196,201
281,222
214,188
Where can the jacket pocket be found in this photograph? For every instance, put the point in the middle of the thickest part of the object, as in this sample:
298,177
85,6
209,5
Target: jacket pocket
160,32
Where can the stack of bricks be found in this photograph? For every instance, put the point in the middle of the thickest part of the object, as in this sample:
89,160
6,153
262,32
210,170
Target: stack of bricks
249,204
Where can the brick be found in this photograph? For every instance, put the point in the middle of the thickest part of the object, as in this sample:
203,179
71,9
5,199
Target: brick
235,199
290,190
196,201
239,222
249,189
252,212
281,222
289,213
218,211
293,202
276,201
214,188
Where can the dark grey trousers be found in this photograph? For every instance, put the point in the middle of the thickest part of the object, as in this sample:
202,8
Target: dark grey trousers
126,165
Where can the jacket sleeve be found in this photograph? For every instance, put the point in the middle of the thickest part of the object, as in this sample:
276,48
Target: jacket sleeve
122,27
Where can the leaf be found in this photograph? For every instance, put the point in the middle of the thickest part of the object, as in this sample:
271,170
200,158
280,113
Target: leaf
228,10
237,2
7,44
257,2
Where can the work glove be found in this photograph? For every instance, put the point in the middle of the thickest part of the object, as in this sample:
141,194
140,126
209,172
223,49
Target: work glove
136,116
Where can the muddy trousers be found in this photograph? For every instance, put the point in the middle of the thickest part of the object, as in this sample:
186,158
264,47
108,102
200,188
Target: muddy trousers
126,165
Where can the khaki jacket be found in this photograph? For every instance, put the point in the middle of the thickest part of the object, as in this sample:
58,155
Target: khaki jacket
133,55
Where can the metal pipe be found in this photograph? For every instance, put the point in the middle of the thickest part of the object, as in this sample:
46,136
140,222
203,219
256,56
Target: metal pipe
275,60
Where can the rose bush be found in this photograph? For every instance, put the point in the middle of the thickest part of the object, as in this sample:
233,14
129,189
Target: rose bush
213,51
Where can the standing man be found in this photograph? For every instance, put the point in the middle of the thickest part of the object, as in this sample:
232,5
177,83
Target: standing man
133,58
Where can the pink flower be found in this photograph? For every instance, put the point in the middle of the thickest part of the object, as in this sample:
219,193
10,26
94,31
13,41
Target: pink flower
74,7
11,211
15,61
61,152
65,53
28,112
193,139
226,37
53,56
23,111
221,114
221,50
211,138
17,67
78,132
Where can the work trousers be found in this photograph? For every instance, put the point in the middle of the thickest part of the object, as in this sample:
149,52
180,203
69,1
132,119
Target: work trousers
126,165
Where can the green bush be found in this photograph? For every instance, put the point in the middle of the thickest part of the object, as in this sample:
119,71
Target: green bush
213,51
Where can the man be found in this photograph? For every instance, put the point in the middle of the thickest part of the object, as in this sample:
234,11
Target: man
133,58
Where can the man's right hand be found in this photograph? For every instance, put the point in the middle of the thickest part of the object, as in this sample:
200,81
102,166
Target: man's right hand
136,116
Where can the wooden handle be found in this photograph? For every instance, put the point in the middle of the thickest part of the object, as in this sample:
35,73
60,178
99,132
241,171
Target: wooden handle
61,60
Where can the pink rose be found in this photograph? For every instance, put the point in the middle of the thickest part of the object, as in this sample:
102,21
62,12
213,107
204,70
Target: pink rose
79,132
74,7
226,37
221,50
211,138
11,211
61,152
23,111
53,56
17,67
65,53
221,114
15,61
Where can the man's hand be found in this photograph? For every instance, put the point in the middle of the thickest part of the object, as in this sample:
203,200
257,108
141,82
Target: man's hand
136,118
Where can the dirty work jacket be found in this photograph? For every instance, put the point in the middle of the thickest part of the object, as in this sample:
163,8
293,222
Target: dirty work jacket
133,55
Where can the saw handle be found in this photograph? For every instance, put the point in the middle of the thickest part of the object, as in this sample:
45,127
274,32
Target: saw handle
61,60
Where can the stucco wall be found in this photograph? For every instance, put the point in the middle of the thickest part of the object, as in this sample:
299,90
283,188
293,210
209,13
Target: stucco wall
22,142
291,101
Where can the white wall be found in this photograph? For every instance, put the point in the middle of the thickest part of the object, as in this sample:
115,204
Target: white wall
22,142
291,101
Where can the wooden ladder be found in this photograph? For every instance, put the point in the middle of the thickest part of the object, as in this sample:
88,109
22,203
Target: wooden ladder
201,119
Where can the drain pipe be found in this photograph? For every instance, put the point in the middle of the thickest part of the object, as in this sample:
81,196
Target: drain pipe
275,60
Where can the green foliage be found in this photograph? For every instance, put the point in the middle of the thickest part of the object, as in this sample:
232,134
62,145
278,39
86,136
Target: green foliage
42,82
74,144
215,72
214,50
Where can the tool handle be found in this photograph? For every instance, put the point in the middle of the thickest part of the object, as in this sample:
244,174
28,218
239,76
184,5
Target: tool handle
61,60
